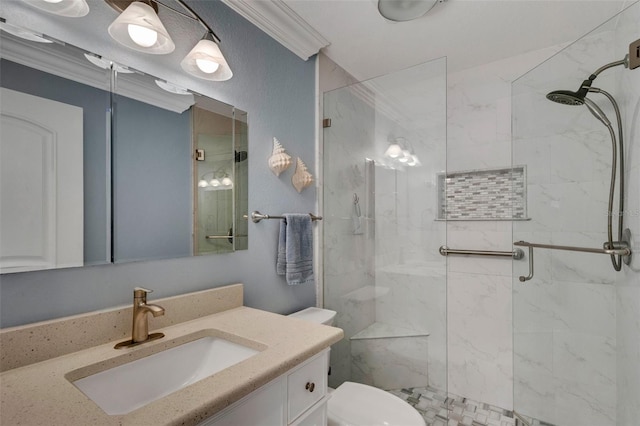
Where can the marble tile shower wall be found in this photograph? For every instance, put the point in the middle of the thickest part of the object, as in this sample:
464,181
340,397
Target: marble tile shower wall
575,324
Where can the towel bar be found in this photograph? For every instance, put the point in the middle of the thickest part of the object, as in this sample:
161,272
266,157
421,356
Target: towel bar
256,217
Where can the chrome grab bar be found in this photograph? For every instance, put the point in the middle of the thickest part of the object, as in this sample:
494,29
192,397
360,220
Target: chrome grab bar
516,254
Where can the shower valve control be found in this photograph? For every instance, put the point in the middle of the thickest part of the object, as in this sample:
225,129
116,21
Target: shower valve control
634,54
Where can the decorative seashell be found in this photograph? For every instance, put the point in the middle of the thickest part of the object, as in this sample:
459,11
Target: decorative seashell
301,178
279,160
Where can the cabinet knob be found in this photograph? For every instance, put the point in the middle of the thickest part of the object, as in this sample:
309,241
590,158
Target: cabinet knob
310,386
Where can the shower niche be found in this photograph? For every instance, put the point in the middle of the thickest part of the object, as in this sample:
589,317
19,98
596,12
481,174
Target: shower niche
490,194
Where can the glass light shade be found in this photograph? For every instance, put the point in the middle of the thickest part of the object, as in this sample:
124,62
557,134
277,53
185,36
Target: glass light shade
141,15
214,182
68,8
404,10
207,50
227,181
405,156
394,151
203,183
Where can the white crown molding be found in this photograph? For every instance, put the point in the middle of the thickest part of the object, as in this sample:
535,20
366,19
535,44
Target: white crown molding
51,59
282,24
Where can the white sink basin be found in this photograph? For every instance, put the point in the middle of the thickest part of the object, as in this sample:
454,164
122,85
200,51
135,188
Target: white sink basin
127,387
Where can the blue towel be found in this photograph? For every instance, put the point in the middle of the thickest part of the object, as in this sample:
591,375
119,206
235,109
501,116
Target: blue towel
295,249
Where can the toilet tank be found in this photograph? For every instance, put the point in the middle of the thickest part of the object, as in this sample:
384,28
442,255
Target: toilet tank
317,315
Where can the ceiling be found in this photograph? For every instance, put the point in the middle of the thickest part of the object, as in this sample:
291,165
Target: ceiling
467,32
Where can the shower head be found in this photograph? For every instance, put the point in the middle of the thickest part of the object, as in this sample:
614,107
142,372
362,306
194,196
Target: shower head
567,97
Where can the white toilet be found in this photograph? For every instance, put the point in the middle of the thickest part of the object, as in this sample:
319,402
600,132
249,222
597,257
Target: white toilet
355,404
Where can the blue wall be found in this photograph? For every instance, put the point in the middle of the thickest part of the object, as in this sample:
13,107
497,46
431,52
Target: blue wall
277,89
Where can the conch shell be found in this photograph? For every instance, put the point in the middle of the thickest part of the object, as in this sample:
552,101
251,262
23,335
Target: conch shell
301,178
279,160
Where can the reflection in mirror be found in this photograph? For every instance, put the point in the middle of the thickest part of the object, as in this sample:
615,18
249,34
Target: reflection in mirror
54,156
167,203
220,172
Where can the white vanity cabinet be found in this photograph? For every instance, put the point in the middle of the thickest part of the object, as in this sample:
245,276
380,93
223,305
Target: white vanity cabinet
297,398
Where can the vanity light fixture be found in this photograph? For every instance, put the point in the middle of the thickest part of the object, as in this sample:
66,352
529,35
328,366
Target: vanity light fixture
139,27
394,151
209,181
401,151
68,8
206,60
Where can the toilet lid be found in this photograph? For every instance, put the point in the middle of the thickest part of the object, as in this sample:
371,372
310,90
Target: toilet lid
317,315
357,404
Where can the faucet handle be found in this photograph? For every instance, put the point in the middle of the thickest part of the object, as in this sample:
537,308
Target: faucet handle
141,292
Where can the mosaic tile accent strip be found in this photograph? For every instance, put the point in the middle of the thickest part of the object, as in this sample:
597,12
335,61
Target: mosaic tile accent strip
441,409
497,194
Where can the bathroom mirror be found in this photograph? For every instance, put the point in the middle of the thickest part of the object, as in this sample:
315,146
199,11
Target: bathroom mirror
129,189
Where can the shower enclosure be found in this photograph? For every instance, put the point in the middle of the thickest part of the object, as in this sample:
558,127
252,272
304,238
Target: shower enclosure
383,151
576,322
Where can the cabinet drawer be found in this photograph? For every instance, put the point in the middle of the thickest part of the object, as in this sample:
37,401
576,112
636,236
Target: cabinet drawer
264,406
307,385
316,416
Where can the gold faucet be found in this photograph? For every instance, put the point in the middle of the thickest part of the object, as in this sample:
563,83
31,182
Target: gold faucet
140,328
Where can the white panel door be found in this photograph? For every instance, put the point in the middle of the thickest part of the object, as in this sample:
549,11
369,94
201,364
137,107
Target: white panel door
41,183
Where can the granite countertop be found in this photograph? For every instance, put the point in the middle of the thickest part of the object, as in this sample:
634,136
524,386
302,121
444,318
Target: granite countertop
42,394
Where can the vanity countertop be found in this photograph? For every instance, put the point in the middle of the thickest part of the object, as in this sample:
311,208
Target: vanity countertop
41,393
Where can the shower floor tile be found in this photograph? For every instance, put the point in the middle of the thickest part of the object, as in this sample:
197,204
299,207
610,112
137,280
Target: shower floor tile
438,408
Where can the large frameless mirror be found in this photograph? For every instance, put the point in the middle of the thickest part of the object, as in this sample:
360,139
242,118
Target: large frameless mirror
99,162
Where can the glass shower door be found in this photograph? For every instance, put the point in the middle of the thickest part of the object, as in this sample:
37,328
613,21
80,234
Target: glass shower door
382,271
574,356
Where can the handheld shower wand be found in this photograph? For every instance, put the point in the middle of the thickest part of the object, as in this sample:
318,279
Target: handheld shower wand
579,97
